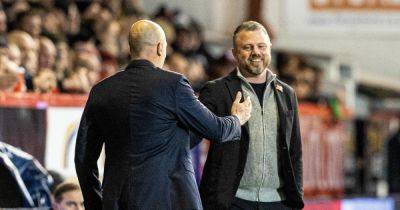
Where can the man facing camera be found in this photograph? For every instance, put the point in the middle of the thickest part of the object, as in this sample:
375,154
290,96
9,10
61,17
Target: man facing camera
264,169
143,116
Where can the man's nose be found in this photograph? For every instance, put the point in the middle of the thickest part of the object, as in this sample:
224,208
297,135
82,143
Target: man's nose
256,51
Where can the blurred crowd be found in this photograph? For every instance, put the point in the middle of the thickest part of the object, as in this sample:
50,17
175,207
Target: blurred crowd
301,74
59,46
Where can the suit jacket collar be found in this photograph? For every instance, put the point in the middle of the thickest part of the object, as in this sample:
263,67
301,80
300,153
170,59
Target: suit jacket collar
233,83
140,63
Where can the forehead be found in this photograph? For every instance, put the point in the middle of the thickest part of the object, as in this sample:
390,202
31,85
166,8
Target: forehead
74,195
252,37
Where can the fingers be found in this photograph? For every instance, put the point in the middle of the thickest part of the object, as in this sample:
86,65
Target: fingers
247,102
238,97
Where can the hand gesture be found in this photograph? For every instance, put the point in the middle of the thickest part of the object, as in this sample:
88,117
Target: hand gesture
241,110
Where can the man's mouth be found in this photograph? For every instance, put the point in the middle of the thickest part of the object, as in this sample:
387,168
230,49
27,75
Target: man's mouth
255,59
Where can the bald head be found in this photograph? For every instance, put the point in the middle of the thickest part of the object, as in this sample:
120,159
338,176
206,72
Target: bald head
147,41
28,49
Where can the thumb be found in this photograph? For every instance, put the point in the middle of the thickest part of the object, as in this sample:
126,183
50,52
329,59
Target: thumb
238,97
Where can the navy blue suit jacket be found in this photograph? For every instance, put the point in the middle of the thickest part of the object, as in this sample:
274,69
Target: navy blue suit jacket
143,116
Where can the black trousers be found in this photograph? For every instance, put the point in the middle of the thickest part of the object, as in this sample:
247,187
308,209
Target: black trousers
240,204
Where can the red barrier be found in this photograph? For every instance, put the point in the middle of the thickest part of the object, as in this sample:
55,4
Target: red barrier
35,100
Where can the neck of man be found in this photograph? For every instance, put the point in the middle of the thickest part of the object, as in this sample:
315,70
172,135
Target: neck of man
147,56
255,79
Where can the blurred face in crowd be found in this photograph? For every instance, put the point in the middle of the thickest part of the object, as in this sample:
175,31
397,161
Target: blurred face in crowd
109,39
28,48
252,51
71,200
33,25
55,22
178,63
29,54
188,40
45,81
63,59
3,22
14,54
47,54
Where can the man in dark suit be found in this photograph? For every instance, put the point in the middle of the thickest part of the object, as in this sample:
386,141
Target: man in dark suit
143,116
264,169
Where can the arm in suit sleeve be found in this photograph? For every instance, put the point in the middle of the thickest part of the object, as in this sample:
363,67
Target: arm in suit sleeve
207,100
87,151
195,116
295,148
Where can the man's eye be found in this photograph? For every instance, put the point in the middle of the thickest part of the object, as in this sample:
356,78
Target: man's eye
262,47
70,204
247,48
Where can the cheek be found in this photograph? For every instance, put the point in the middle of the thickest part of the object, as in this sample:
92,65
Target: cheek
243,56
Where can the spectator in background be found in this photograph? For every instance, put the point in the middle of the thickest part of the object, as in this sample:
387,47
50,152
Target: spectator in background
47,54
107,31
109,66
196,74
45,81
29,57
63,63
86,71
13,8
3,23
12,75
97,27
31,22
8,79
68,196
55,24
178,63
222,66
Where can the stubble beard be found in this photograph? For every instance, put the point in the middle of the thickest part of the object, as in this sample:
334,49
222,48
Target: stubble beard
254,70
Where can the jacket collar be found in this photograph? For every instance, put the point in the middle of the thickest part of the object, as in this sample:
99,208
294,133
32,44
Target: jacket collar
235,77
140,63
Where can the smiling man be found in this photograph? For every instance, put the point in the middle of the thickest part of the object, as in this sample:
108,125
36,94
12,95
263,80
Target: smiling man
264,169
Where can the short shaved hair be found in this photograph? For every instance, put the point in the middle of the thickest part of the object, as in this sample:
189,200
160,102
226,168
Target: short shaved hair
144,33
248,26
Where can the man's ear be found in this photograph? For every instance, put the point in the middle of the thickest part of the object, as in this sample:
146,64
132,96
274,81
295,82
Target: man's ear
234,52
159,49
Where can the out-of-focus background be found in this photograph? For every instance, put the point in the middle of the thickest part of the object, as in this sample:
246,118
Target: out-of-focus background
341,56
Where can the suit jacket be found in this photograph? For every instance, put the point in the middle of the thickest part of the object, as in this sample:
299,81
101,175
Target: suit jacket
143,116
226,161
